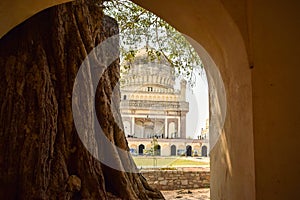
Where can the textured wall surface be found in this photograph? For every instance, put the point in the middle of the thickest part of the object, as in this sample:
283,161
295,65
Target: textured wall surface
177,179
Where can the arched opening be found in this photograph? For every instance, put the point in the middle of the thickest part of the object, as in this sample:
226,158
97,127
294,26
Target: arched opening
149,131
127,128
172,130
188,150
141,149
173,150
224,43
204,151
138,128
157,150
159,129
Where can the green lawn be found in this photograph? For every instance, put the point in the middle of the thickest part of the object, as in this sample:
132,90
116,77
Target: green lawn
167,162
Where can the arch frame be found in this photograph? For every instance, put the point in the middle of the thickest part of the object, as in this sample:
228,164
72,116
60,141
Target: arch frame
173,150
232,166
141,148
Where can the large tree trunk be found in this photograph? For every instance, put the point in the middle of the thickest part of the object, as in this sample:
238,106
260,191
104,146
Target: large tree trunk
41,155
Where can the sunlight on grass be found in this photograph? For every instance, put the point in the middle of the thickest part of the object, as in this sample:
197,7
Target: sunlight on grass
172,162
180,162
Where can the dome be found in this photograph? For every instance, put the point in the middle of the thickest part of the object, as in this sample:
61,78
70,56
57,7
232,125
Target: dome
145,70
142,56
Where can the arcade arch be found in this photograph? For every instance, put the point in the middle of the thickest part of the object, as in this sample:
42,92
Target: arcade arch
141,149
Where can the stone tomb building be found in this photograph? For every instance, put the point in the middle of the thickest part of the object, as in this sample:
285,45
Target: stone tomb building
153,110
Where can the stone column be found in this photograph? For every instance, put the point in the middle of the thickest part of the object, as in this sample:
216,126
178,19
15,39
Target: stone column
182,90
183,126
178,127
132,125
166,128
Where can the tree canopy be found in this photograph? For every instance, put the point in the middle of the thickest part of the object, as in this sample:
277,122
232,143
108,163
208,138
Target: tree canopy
140,28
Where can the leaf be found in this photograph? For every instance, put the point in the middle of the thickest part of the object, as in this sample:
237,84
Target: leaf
140,28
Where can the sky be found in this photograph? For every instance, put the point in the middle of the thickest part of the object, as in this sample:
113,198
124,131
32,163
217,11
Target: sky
197,96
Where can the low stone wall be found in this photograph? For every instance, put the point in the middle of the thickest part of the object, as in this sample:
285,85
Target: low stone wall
187,178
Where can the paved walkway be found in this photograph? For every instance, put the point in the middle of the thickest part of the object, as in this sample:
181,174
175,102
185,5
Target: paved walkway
199,194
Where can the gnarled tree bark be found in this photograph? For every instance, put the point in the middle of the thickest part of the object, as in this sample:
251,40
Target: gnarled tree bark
42,156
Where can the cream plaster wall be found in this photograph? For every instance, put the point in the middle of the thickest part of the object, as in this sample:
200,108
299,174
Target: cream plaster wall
15,12
276,102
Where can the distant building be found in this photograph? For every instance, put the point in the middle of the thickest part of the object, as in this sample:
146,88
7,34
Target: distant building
205,138
153,111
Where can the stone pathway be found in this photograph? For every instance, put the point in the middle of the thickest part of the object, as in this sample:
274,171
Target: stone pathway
199,194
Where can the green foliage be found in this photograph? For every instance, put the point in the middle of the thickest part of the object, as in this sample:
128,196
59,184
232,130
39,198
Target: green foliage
140,28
